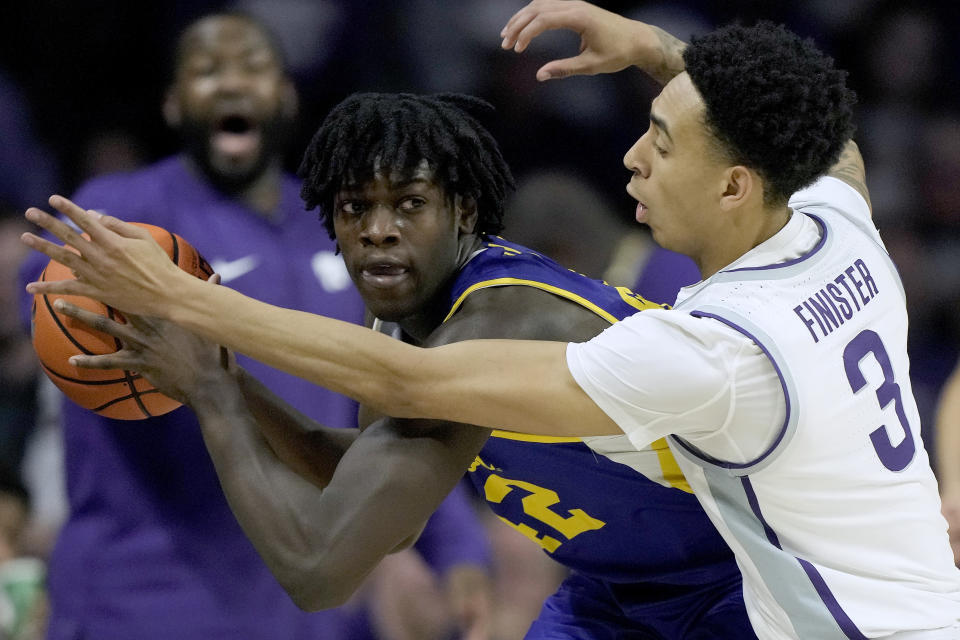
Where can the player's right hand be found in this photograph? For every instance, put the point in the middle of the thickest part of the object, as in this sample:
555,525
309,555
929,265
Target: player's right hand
608,42
118,263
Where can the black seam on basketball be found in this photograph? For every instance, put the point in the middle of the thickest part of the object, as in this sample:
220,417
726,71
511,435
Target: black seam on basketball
176,249
134,393
56,319
122,398
128,377
92,383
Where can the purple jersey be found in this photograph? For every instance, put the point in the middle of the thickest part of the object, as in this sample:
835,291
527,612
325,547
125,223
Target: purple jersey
151,548
664,274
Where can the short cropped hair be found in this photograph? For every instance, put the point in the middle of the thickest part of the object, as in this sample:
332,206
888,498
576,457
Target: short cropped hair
397,132
180,46
774,102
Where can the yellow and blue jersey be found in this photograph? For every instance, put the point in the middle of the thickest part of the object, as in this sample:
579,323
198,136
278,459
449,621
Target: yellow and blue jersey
596,505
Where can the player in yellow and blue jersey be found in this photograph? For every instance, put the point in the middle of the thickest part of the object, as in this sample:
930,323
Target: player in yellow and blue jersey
412,189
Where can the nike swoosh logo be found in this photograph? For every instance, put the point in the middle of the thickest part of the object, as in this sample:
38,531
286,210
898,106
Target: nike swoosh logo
233,269
330,271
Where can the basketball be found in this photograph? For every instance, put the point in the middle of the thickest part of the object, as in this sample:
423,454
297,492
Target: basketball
123,395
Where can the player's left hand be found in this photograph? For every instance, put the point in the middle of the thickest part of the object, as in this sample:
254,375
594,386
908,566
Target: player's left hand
175,361
608,42
119,264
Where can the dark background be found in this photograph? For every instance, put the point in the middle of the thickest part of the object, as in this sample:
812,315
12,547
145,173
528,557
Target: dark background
81,85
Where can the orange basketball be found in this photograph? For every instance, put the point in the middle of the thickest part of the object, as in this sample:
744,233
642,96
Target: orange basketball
114,393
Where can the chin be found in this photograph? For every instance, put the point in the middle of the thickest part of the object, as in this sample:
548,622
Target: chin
390,313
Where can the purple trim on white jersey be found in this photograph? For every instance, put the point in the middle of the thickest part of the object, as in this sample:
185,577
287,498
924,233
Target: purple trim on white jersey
829,600
786,399
788,263
755,507
843,620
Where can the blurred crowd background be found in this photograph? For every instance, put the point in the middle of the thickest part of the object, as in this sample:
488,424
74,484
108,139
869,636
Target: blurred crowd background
81,84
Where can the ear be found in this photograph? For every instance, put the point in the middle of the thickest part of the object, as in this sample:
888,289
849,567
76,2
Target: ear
289,99
741,184
171,109
466,212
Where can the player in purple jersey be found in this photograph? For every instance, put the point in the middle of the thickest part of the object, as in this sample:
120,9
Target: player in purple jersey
151,549
412,188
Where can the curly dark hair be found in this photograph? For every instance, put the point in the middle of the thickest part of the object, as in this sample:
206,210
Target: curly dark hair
774,102
396,132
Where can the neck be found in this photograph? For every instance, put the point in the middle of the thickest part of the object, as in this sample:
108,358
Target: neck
421,325
741,235
262,193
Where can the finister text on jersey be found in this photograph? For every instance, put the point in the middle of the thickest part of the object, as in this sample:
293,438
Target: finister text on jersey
838,300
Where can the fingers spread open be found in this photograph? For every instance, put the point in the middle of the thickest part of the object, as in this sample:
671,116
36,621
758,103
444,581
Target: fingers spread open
65,232
61,253
558,18
62,287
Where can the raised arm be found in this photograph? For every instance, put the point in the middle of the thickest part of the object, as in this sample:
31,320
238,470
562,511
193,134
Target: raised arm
608,42
850,169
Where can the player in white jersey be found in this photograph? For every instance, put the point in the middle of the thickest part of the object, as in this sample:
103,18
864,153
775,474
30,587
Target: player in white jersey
801,437
782,376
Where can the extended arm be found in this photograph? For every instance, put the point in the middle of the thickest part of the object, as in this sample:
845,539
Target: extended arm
948,456
516,385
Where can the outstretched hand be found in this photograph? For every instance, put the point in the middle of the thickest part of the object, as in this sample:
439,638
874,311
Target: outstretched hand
118,263
172,359
608,42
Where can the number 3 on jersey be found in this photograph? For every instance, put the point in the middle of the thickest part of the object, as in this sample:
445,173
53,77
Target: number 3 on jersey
895,458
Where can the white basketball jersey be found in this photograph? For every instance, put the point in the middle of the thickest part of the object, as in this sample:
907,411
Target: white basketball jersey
837,525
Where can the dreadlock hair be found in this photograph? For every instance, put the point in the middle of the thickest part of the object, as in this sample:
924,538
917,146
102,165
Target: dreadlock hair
774,102
395,132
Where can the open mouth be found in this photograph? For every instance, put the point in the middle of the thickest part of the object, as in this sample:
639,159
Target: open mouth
236,135
641,212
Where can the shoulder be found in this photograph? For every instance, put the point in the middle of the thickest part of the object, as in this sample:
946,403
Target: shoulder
125,194
521,313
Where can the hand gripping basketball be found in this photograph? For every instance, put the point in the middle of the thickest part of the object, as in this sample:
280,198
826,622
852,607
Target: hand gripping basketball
114,393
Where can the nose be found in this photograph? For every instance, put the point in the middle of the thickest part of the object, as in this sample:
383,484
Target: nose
635,159
233,78
379,227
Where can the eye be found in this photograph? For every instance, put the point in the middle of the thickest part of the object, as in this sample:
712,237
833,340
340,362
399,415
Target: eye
260,61
351,207
201,66
660,150
412,203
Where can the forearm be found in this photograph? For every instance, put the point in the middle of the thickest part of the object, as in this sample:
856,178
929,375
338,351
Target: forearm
850,168
664,61
272,503
507,384
321,544
948,436
307,447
